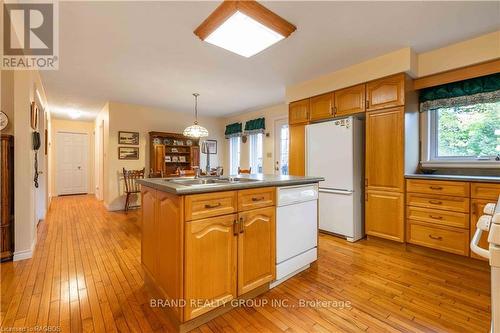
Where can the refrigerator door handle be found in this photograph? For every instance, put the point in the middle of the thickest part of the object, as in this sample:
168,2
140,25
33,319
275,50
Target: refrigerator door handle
334,191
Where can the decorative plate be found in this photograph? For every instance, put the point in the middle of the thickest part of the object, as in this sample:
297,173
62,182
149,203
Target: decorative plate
157,141
4,120
189,142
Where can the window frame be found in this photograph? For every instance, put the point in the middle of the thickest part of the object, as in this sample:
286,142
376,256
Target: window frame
429,148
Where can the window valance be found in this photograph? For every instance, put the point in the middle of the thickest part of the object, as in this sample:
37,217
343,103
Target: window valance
477,90
232,130
255,126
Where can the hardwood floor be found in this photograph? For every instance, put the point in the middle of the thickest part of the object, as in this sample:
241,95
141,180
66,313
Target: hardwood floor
86,276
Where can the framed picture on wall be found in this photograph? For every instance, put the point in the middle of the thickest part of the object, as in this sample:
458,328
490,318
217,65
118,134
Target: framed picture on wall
128,153
128,138
211,145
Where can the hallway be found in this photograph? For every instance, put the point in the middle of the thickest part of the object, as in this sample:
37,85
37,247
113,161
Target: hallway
86,276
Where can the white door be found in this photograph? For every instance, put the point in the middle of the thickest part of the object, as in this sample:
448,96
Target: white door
329,154
72,165
281,147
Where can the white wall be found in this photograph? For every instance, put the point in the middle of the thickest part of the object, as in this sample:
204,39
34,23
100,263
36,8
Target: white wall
73,126
142,119
271,114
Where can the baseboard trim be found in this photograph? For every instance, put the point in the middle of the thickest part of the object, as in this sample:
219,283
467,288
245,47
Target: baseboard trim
25,254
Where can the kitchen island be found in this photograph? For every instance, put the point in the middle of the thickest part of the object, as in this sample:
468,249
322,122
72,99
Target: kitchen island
209,241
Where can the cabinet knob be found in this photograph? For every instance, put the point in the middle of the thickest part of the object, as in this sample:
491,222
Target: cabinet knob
435,237
257,199
208,206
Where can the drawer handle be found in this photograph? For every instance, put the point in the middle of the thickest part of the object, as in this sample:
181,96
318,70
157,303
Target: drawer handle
435,202
258,198
435,237
436,217
435,187
208,206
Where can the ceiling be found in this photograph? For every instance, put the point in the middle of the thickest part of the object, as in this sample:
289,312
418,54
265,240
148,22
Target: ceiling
146,53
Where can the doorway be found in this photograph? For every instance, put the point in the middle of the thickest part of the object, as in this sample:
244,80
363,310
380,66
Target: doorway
71,163
281,143
41,192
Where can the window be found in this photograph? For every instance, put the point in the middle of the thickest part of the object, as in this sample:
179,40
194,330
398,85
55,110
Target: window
234,154
460,133
255,157
283,159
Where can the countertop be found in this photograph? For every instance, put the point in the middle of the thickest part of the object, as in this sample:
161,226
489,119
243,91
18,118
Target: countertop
162,184
487,179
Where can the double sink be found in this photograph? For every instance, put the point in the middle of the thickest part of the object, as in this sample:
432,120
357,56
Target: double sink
210,181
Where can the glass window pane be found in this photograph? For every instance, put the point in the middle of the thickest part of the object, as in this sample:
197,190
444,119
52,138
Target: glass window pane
468,131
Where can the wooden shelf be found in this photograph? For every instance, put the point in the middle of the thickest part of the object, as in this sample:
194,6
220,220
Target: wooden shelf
160,150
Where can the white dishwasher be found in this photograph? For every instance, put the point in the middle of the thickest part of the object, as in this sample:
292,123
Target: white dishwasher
296,230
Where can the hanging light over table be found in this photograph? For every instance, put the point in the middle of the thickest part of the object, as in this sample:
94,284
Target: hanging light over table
196,131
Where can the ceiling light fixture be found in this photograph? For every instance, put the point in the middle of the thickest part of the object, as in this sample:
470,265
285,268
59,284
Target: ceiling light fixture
74,114
196,131
243,27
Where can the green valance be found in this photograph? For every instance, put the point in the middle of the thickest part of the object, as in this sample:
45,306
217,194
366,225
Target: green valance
255,126
234,129
477,90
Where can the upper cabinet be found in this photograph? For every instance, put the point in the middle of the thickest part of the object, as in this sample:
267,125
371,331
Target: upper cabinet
384,159
386,92
321,107
297,149
299,112
350,100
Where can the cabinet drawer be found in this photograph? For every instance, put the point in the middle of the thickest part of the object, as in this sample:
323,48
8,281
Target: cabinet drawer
441,238
199,206
438,187
487,191
456,204
256,198
439,217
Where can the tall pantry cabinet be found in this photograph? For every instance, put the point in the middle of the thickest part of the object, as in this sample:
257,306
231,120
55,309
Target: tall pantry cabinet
391,150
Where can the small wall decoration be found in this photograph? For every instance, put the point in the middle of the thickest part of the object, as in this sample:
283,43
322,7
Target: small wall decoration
128,153
34,116
128,138
212,146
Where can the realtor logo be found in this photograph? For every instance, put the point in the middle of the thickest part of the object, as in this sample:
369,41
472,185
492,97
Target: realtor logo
30,36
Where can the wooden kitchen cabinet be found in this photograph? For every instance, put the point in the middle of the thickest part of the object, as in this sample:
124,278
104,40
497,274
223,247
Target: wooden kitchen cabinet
149,230
158,165
297,150
384,215
321,107
210,264
298,112
350,100
256,248
386,92
384,161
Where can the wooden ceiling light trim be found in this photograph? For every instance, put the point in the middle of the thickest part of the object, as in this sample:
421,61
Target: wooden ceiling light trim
460,74
250,8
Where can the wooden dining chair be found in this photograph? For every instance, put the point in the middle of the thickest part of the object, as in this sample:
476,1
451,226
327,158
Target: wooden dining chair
245,171
131,186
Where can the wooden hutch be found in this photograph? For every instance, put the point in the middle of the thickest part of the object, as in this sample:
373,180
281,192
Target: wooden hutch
7,197
170,151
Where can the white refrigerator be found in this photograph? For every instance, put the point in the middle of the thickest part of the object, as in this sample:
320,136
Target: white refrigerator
334,150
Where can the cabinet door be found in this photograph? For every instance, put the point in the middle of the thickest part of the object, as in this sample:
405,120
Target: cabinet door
158,158
386,92
149,230
350,100
476,211
210,264
298,112
256,249
195,156
297,150
385,150
169,215
321,107
384,215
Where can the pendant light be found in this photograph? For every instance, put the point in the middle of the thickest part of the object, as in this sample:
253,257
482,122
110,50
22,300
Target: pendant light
196,131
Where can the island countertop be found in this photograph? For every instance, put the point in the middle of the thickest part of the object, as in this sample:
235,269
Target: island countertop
163,184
